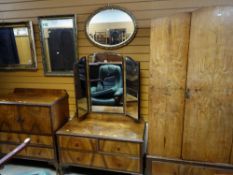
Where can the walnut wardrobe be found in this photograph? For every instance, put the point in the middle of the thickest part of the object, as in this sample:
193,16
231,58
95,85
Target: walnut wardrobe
191,104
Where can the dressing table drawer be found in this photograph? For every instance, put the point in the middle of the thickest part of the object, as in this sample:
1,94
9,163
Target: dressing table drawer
77,143
114,162
19,138
119,147
33,152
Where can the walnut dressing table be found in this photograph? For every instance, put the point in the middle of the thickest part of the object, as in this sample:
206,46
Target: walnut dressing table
103,141
34,113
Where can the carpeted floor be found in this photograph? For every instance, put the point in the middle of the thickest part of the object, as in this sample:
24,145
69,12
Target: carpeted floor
11,169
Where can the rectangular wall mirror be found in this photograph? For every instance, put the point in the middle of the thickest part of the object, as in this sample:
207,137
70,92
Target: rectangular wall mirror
17,46
58,39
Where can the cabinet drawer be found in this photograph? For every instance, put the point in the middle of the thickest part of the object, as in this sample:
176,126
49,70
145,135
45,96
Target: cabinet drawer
122,163
119,147
34,152
34,119
78,143
181,169
19,138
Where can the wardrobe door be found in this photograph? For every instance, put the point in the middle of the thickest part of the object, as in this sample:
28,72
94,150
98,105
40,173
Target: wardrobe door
208,122
169,52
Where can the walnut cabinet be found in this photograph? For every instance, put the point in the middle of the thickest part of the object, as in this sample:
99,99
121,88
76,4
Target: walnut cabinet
33,113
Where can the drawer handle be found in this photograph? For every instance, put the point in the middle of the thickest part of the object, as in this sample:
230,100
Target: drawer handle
77,145
118,149
78,159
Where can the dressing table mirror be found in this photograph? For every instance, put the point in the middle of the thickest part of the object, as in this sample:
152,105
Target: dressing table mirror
111,27
58,39
80,81
17,47
107,83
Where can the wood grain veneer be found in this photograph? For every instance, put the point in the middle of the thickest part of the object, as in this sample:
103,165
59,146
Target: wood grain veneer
33,113
104,141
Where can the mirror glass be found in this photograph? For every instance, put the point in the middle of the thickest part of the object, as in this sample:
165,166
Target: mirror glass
111,27
80,80
58,36
17,47
132,88
106,83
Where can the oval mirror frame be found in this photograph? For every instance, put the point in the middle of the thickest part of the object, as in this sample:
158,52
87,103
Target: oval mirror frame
109,46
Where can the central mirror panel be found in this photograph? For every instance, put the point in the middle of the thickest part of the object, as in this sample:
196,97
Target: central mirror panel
106,83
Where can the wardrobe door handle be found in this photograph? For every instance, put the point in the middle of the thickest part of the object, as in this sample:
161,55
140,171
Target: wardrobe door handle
187,93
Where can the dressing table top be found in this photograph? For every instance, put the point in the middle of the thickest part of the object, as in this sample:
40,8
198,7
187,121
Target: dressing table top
105,126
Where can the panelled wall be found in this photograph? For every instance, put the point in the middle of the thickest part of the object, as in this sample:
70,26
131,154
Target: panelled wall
139,48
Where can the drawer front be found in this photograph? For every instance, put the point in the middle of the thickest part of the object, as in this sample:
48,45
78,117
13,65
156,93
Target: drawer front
110,162
19,138
35,119
9,118
179,169
33,152
78,143
119,147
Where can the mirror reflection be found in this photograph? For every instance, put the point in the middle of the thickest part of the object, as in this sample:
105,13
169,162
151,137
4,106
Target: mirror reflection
58,42
132,87
17,49
106,83
80,80
111,27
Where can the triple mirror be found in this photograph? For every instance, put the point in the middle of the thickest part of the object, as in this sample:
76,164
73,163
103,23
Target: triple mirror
111,27
58,38
108,83
17,47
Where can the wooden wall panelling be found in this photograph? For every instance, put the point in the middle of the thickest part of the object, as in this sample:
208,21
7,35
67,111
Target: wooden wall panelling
11,80
169,51
208,125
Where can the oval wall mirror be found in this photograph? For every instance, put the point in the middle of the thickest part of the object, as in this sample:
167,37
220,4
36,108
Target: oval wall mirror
111,27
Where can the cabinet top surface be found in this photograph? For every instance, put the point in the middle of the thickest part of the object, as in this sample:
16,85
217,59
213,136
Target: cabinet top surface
105,126
32,96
